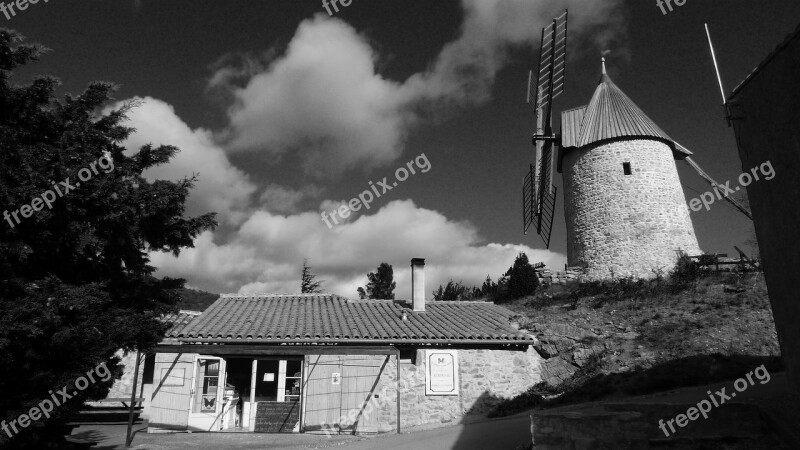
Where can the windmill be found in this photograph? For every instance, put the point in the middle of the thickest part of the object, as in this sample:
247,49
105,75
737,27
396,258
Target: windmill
538,190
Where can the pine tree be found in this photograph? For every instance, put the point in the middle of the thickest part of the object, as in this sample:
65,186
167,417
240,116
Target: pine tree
522,280
380,284
308,283
76,282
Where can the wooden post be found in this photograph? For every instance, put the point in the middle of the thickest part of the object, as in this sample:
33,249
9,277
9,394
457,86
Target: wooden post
128,437
397,388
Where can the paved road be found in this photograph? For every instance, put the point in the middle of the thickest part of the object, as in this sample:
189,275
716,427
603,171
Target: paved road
498,434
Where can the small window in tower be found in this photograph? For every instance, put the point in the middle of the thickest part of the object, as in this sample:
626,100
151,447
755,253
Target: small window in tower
626,167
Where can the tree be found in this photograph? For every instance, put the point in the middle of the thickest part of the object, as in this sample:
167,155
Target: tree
309,283
380,284
489,287
522,280
76,282
456,291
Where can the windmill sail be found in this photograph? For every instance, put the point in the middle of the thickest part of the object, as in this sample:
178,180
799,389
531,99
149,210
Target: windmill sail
539,193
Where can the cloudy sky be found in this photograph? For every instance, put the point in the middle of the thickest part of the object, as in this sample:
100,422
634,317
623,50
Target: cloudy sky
285,111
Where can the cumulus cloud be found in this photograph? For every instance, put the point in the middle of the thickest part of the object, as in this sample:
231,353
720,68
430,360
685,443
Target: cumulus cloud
324,100
266,254
220,187
465,69
284,199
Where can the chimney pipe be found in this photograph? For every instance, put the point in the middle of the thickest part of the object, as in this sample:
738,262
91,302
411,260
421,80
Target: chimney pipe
418,284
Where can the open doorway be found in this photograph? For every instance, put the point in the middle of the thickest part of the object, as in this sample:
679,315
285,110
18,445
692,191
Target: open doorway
277,391
237,393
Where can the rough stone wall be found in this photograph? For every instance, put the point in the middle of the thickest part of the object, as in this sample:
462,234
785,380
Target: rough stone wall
486,377
766,126
546,276
124,386
625,225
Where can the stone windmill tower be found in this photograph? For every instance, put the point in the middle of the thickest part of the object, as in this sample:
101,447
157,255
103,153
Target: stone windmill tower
625,211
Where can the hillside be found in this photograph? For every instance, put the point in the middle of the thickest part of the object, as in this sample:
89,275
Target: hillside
194,300
631,337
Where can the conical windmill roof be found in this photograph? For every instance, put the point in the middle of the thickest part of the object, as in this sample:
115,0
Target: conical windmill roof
610,115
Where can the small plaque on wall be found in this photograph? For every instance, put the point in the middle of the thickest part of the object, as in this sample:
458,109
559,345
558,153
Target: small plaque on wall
336,378
441,372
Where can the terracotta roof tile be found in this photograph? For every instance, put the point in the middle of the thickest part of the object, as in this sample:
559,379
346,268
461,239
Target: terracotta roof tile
321,318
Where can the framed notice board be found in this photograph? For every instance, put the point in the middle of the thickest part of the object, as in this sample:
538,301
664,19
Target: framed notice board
441,372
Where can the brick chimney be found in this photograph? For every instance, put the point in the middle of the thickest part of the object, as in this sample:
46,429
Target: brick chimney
418,284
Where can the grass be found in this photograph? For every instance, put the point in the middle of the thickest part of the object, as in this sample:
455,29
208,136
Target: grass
660,334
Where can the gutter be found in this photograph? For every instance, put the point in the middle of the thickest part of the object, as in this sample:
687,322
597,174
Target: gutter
361,341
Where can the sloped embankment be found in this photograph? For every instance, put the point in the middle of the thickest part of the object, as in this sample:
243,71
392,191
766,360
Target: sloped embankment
617,341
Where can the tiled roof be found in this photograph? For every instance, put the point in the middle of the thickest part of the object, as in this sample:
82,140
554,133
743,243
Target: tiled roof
609,115
179,320
325,318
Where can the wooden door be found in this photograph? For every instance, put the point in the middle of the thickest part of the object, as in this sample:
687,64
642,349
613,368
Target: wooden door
360,375
208,382
322,393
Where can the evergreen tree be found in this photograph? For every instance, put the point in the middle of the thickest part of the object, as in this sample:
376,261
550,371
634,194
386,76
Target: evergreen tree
76,282
380,284
309,283
522,280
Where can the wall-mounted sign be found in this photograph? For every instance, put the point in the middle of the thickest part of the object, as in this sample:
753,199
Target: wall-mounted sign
441,372
269,377
336,378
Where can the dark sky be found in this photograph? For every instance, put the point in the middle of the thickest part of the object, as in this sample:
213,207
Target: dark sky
478,151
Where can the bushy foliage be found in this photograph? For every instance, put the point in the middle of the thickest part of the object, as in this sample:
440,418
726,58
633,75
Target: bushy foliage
456,291
76,282
687,272
380,284
522,280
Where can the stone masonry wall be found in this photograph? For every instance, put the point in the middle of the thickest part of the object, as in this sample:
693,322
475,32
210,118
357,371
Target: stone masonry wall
485,378
123,387
625,225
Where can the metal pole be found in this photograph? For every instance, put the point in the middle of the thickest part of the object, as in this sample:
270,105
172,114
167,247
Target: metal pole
128,437
397,388
716,67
